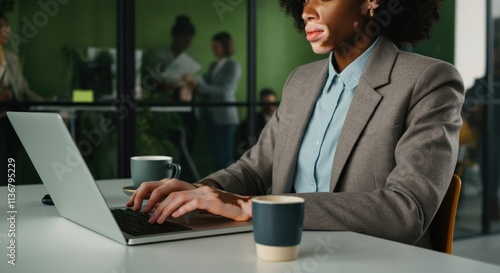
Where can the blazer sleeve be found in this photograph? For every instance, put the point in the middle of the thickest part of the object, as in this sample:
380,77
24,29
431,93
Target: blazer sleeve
230,76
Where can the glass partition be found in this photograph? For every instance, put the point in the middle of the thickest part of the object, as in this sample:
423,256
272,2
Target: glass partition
206,40
494,118
62,55
478,163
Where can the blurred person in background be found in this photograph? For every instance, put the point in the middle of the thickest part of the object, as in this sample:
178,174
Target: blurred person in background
13,88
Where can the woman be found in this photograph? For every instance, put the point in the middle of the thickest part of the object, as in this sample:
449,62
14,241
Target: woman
218,85
368,137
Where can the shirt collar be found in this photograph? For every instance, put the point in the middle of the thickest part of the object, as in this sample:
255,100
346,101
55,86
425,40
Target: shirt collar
352,73
222,61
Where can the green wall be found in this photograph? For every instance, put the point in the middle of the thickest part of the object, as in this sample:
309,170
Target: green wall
441,45
280,47
77,24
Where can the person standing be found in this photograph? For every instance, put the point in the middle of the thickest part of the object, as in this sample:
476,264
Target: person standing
218,85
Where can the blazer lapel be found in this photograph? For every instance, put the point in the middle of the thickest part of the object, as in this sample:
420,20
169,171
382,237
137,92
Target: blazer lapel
209,78
366,99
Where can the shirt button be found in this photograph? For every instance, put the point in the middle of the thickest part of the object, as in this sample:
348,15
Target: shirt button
317,142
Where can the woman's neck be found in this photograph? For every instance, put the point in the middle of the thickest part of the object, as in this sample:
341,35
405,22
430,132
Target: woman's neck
347,54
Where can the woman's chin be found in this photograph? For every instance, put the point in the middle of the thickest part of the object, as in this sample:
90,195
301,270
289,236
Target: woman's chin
320,50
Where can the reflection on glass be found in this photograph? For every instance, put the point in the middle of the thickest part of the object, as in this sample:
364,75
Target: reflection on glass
470,162
494,194
479,141
479,153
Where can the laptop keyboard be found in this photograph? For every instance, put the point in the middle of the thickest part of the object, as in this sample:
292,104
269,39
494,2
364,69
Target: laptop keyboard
136,223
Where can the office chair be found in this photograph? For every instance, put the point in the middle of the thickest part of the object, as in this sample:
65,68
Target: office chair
443,224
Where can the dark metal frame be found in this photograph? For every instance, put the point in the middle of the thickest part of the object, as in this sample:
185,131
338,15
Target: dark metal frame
126,76
490,140
252,69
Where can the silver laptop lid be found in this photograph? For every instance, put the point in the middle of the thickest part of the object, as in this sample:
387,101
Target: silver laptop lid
63,171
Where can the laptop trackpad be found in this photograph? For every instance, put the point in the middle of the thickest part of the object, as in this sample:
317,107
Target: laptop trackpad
203,220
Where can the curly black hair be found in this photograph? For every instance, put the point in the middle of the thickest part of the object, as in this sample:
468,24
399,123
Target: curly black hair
412,23
183,26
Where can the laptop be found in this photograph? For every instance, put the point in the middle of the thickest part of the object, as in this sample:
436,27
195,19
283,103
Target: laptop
77,197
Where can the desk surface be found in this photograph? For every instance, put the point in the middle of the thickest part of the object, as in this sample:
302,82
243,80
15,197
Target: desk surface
46,242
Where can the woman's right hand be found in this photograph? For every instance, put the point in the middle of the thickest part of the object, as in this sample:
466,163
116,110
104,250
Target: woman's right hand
156,192
190,81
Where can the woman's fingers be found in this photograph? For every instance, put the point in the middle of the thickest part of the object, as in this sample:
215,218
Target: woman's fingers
169,205
202,198
156,192
143,192
190,206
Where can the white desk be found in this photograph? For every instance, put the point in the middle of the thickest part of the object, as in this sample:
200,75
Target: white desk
48,243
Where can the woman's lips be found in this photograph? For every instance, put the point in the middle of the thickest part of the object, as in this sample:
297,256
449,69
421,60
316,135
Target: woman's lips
313,35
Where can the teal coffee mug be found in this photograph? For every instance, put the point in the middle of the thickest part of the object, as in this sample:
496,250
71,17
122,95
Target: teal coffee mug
152,168
277,226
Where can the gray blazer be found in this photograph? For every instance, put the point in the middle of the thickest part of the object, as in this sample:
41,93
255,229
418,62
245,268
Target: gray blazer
395,157
220,88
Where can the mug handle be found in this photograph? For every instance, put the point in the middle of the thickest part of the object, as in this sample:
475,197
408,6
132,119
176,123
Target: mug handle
177,168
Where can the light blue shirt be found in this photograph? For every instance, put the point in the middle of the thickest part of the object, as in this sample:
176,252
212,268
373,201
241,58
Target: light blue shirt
317,151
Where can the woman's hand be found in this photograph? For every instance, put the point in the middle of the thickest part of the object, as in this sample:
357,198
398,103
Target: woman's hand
190,81
186,93
172,197
206,198
156,192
